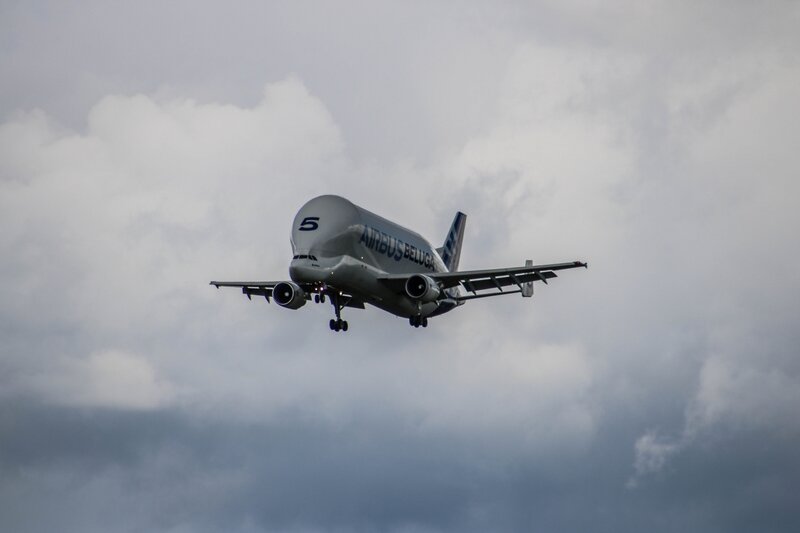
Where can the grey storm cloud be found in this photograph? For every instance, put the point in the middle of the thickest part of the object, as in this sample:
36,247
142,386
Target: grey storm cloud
146,149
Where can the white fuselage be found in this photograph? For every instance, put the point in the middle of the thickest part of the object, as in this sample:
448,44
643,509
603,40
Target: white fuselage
341,246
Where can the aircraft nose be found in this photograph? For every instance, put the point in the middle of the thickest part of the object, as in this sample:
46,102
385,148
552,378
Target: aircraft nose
297,271
302,268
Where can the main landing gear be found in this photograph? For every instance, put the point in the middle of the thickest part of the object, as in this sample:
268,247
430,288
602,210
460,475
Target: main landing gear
418,321
337,324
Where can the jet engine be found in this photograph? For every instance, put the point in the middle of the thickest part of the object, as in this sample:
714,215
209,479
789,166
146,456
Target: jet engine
289,295
423,288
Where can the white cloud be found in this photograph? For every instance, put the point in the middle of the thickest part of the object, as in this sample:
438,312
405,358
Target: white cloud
663,154
555,157
740,391
110,379
106,214
652,453
733,213
114,233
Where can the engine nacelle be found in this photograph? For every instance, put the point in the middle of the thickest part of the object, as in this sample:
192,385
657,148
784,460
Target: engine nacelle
421,287
289,295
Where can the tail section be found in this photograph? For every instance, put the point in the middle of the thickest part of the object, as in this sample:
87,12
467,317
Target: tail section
451,251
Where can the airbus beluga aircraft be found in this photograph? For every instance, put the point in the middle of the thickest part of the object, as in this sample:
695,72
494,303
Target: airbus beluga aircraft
354,257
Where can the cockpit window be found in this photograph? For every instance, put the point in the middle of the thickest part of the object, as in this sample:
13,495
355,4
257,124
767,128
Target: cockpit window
304,256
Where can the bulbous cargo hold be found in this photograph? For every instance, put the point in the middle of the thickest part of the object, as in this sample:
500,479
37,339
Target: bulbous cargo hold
331,226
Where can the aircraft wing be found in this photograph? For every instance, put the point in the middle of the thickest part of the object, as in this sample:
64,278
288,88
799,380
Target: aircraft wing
250,288
495,278
473,280
264,288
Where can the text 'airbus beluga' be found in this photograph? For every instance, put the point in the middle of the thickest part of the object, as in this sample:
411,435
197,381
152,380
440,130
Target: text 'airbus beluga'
354,257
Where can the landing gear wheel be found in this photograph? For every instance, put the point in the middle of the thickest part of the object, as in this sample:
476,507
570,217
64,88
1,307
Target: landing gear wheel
337,324
418,321
316,298
322,298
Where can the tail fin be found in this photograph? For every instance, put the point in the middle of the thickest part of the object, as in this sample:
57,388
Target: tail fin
451,251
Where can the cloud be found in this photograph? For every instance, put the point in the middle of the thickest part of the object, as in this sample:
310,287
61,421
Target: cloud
140,213
132,393
110,379
734,191
652,453
111,235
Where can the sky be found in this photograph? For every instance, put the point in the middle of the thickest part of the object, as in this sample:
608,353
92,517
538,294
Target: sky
149,147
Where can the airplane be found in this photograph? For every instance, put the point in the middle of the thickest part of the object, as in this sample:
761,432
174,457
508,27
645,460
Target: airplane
354,257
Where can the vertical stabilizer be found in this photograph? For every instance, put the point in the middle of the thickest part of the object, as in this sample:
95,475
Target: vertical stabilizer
451,251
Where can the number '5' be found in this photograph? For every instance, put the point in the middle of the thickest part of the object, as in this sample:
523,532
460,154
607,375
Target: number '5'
309,224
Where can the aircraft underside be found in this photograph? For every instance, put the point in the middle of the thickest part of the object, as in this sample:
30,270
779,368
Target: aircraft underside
417,313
